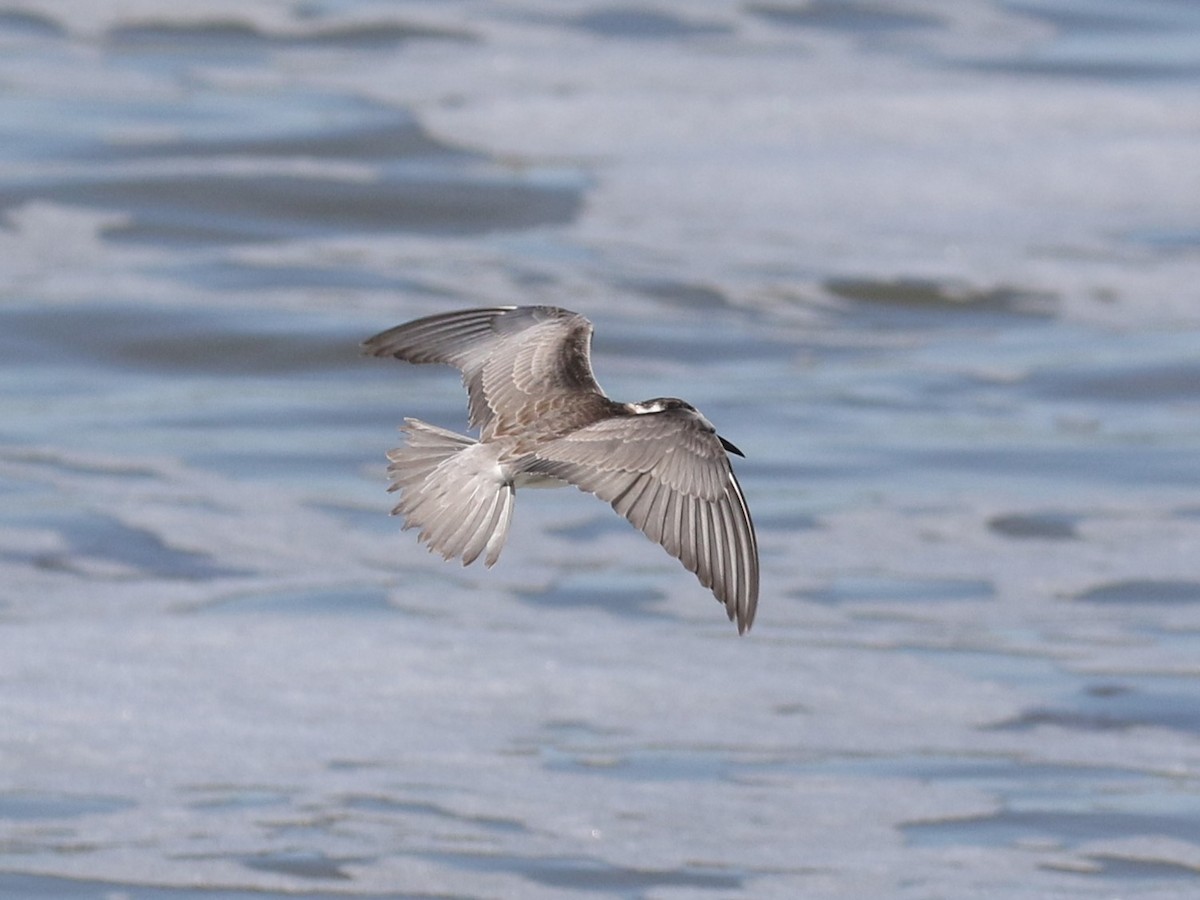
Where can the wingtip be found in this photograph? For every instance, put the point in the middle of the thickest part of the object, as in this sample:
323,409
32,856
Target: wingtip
744,617
740,612
375,344
744,621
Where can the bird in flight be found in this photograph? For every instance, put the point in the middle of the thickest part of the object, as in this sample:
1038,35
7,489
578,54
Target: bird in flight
544,422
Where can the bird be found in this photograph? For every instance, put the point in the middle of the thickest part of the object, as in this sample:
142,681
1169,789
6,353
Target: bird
544,421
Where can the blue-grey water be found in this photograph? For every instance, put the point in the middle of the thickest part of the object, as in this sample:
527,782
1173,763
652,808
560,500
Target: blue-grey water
933,266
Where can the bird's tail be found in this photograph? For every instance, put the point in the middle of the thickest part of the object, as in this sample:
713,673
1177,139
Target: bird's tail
454,490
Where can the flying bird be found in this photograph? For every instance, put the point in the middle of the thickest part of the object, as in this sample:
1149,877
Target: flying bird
544,422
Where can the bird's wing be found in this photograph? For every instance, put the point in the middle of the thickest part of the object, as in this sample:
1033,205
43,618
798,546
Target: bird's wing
510,356
669,475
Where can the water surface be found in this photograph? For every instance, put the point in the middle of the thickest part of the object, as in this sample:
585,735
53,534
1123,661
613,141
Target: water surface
931,266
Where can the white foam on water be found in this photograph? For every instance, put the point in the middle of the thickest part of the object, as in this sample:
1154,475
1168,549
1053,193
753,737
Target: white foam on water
768,154
239,733
257,680
792,156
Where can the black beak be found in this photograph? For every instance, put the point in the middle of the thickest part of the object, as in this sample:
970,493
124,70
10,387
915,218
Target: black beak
730,447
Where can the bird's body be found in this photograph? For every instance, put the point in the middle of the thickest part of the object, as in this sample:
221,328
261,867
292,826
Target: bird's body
544,421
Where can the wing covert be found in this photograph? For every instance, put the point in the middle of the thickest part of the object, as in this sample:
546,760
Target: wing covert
510,357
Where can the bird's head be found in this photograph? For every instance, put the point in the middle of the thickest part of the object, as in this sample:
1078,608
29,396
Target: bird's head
663,404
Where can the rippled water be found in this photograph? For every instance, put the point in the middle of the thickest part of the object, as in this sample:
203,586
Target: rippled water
932,266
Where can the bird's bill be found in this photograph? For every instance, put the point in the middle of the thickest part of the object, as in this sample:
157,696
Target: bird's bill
730,447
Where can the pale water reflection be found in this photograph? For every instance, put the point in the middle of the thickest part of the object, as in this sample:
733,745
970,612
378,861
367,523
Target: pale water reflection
931,266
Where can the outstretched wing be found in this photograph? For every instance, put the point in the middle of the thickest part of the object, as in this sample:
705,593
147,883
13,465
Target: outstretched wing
511,357
668,474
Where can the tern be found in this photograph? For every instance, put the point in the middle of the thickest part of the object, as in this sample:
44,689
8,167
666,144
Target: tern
544,421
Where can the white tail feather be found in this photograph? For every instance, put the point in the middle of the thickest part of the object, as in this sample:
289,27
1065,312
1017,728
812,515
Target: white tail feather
454,489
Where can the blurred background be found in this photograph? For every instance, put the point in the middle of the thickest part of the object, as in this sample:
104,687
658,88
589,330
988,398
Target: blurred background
932,265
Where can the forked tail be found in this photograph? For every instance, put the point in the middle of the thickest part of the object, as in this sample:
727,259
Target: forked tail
452,488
